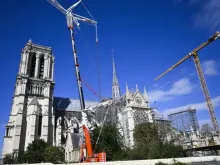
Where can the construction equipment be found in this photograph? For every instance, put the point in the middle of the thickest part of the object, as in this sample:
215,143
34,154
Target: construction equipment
90,88
72,19
86,145
194,54
100,157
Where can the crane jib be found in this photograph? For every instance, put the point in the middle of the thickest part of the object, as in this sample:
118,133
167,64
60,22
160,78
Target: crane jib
201,76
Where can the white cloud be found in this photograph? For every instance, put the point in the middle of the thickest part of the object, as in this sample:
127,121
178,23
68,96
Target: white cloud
210,68
198,106
180,87
208,16
207,13
205,121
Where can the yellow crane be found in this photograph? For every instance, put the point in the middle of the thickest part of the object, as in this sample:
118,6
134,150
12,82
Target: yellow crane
201,76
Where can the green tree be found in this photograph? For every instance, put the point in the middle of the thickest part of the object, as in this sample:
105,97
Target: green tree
110,141
151,139
53,155
9,159
146,134
35,151
39,151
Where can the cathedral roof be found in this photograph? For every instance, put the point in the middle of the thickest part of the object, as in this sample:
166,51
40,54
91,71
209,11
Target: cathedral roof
67,104
34,102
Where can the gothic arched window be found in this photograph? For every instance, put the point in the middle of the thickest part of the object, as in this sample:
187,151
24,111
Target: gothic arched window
39,124
41,69
33,63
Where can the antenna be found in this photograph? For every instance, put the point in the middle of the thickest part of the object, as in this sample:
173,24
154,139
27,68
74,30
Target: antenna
72,19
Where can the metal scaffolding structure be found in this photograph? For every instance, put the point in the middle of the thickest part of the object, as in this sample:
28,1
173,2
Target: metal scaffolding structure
184,120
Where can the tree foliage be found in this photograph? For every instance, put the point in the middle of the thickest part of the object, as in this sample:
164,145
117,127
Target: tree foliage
151,139
38,151
150,143
9,159
35,151
110,141
53,155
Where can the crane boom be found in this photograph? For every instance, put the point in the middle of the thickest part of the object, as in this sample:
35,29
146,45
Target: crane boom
200,75
212,38
84,19
172,67
74,5
71,20
87,141
205,91
57,5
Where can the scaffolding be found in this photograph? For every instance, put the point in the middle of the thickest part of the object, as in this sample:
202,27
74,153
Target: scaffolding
184,120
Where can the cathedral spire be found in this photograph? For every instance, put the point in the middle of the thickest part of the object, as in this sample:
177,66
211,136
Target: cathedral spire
115,84
127,90
145,95
30,41
136,87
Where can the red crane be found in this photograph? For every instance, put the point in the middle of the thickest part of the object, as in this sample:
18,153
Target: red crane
100,157
91,89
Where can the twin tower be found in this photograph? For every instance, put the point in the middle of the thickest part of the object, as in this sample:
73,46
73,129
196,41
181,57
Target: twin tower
32,115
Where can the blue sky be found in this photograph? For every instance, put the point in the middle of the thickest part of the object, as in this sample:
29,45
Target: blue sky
147,38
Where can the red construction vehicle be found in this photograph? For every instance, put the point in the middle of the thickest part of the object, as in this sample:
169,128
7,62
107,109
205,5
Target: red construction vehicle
91,157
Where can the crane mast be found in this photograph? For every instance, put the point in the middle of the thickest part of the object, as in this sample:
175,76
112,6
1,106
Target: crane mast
72,19
201,76
205,91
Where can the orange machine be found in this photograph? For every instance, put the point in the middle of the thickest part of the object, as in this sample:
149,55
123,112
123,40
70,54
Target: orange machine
100,157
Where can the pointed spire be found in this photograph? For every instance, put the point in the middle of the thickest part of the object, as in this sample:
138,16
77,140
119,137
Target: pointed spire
115,84
136,87
115,79
145,94
30,41
113,62
127,90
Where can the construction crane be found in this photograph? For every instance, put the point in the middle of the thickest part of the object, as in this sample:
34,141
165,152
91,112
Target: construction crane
86,144
201,76
91,89
73,19
91,157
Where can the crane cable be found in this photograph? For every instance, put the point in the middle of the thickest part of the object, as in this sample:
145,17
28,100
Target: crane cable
99,84
97,60
100,130
96,28
87,11
96,63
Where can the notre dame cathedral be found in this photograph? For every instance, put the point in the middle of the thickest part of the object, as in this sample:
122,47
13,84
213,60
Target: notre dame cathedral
37,114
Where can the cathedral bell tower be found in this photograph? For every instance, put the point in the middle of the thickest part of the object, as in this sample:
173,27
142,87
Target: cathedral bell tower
31,114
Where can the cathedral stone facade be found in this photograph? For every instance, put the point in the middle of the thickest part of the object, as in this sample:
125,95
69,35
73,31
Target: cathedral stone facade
37,114
31,116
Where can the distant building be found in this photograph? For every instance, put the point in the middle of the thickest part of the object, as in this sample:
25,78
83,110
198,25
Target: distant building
184,120
158,118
